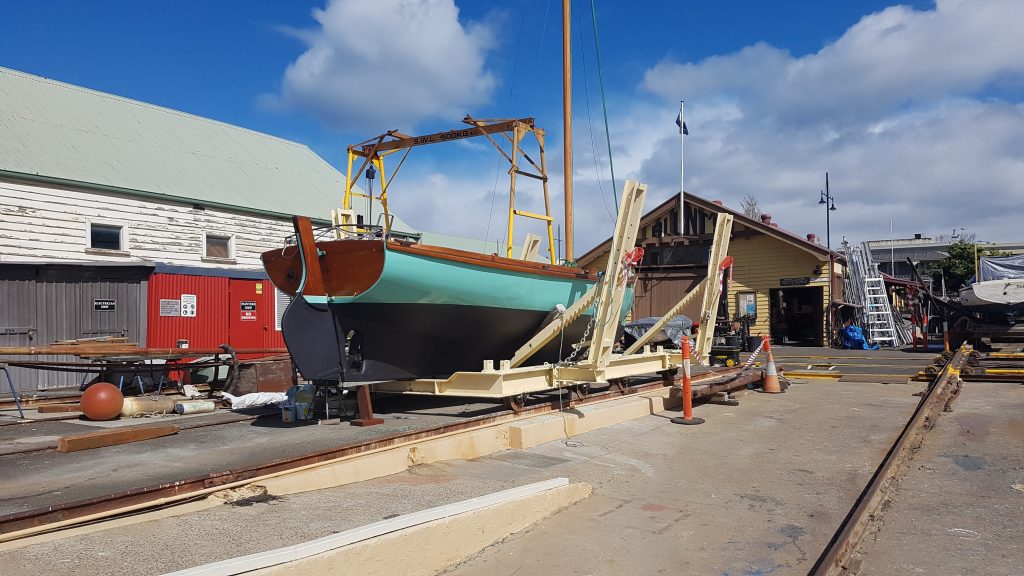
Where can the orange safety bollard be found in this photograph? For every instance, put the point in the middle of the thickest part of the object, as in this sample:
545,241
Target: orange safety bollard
771,376
687,417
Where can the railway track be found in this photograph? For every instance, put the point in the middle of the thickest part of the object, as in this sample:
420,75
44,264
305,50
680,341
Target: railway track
50,518
841,555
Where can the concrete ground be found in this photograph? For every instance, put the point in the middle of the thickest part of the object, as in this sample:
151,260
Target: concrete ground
758,489
960,509
46,478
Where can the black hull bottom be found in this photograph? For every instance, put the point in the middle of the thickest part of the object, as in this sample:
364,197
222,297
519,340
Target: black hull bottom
409,341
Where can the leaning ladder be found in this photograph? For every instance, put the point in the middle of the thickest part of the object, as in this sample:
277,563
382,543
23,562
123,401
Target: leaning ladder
881,328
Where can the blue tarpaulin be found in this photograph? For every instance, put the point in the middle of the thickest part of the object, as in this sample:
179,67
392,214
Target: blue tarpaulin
853,337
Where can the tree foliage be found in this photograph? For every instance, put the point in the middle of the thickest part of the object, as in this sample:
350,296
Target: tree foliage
958,267
750,208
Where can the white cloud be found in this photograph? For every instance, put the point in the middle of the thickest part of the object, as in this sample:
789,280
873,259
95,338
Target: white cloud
917,116
374,66
888,59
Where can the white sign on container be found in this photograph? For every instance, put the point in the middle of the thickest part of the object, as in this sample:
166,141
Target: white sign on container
188,305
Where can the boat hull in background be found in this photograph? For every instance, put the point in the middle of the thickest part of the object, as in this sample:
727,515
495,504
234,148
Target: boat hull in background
995,298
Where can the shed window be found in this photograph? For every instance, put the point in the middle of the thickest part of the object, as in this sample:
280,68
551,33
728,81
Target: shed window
218,246
105,236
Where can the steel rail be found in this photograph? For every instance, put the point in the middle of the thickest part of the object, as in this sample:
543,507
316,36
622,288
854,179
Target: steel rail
838,557
134,499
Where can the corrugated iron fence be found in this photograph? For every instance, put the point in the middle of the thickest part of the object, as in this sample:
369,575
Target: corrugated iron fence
42,304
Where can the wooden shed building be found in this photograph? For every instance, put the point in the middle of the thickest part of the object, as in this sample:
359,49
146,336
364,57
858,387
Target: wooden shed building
122,218
779,280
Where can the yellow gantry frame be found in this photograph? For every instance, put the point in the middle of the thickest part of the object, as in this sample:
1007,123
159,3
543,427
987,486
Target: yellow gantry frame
376,149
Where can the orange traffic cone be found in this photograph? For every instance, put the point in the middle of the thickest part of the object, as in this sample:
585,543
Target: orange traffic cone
687,417
771,376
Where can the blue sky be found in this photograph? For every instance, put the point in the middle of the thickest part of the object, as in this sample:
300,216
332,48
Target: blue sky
914,109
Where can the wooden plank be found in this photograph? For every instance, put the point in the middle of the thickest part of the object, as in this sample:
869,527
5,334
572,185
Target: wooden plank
52,408
91,440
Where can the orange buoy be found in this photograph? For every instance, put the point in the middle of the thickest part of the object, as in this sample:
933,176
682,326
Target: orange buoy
102,401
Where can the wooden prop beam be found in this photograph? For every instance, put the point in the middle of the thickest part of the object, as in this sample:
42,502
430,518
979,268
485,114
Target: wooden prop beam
92,440
713,291
54,408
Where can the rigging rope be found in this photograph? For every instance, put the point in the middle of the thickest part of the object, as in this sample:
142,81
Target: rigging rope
590,124
604,106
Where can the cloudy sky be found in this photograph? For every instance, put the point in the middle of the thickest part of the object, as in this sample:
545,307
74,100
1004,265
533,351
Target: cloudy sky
915,110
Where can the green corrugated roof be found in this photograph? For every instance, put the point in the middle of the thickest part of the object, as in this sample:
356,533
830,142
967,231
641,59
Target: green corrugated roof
58,131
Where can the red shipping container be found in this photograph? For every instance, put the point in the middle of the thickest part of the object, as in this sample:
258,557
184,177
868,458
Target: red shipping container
208,311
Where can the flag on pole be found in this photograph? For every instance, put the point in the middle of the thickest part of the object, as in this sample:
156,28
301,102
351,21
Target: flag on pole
682,126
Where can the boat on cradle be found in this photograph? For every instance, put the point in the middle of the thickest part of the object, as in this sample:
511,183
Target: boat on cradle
1003,299
998,292
372,309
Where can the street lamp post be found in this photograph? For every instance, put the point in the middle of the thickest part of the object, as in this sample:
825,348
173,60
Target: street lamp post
830,206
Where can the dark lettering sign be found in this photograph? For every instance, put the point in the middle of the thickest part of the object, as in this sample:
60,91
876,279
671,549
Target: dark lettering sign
445,136
248,304
802,281
99,305
698,221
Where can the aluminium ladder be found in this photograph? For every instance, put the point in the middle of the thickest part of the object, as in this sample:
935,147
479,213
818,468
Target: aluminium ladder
881,328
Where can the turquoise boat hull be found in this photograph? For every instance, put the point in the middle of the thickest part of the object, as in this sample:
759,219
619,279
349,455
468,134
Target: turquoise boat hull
421,312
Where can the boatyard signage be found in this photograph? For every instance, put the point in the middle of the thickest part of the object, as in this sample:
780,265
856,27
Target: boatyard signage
248,310
104,305
699,221
170,307
188,305
445,136
802,281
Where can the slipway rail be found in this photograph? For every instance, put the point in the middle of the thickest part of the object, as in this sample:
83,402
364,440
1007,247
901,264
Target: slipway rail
135,500
840,556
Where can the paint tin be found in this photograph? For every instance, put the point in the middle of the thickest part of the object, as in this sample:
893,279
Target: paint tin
287,414
303,411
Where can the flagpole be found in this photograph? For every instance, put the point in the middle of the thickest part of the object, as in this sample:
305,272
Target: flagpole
682,168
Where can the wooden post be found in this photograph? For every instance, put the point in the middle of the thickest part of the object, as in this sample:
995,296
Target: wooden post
365,408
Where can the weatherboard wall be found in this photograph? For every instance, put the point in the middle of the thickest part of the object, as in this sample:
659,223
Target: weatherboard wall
761,262
42,222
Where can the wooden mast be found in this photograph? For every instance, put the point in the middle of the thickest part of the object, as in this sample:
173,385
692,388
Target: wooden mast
567,126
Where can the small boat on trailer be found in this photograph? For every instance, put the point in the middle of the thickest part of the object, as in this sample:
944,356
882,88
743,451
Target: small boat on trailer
1000,299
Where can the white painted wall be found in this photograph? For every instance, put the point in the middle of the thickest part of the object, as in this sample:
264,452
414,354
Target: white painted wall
41,222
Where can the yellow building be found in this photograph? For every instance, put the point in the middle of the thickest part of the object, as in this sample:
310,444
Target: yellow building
779,279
